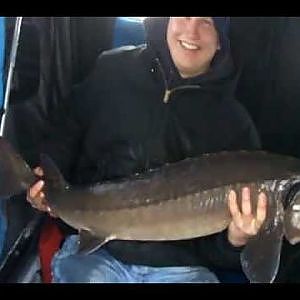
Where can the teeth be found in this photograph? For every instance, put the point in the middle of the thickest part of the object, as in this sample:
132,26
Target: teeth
189,46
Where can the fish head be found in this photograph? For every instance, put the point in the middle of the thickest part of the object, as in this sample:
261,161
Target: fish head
292,218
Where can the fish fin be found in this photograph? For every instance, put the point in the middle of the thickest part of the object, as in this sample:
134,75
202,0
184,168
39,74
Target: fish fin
261,256
89,243
54,180
15,175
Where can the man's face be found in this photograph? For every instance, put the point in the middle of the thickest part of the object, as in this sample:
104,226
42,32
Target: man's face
193,42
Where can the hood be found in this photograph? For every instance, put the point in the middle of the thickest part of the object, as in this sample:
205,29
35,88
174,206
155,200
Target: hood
220,76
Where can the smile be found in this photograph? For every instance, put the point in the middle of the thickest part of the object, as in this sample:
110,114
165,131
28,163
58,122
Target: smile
189,46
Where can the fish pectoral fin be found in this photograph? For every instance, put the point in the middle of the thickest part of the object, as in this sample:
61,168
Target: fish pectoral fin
89,243
261,256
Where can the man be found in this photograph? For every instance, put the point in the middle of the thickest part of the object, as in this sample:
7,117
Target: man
140,108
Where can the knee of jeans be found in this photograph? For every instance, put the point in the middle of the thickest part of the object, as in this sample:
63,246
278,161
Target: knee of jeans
205,275
84,269
76,269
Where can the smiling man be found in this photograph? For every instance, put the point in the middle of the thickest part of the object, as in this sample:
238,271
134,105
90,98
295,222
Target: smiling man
140,108
193,42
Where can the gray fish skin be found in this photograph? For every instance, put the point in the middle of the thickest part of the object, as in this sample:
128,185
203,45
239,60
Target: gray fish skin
180,201
174,219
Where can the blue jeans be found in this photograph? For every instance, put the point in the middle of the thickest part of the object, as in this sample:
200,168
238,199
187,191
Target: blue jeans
101,267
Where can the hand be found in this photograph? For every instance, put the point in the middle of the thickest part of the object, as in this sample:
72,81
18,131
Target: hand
244,223
36,196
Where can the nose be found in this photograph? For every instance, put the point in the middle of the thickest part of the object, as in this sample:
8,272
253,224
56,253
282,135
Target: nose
192,27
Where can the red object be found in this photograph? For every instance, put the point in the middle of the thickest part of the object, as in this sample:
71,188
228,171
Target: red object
49,242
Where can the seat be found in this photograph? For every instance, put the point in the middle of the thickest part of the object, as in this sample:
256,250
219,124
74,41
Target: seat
128,31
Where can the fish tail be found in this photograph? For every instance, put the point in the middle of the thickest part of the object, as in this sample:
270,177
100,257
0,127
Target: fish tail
54,180
15,174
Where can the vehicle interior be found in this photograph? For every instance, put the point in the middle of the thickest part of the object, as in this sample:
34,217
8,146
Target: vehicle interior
56,53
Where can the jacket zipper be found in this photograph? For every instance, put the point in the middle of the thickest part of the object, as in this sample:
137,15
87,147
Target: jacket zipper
169,91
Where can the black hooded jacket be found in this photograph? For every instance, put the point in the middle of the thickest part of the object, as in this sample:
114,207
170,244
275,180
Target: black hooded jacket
135,112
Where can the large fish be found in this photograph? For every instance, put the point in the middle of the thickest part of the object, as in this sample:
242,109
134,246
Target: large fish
182,200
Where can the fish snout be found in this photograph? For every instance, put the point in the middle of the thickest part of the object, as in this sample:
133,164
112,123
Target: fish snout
292,220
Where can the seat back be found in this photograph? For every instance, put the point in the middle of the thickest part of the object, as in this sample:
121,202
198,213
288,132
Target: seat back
269,81
128,31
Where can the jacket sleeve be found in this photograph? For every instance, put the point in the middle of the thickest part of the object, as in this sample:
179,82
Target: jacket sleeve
69,124
67,128
215,251
63,140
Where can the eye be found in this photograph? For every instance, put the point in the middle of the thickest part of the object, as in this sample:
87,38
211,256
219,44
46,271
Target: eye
208,22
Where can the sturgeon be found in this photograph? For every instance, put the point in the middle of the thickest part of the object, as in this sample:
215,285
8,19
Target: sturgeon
181,200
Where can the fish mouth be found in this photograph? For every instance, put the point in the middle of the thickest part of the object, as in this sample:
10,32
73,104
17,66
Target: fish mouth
189,45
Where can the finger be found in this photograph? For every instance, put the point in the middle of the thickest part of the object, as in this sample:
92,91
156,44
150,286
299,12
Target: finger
261,211
236,214
41,208
38,171
43,199
233,206
246,203
52,214
39,202
36,189
40,205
